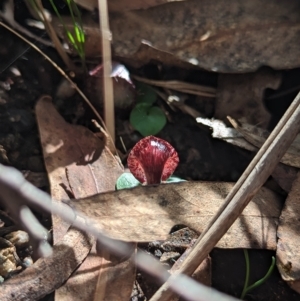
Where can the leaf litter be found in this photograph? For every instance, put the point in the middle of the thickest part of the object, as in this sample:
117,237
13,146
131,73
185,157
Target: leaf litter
250,137
153,216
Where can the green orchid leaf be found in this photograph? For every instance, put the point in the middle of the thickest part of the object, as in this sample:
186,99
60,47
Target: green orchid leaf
174,179
127,180
147,120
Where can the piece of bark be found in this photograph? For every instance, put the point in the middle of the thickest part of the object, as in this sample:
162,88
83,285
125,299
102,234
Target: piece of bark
80,164
148,213
241,96
287,254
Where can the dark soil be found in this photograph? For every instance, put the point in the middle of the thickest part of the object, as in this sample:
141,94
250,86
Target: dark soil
201,157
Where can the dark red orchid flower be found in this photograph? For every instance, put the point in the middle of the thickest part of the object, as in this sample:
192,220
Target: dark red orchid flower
152,160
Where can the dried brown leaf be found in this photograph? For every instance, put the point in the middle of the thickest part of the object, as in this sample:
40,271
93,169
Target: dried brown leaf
145,214
78,162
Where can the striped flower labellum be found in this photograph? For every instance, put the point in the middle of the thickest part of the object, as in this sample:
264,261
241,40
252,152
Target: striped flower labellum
152,160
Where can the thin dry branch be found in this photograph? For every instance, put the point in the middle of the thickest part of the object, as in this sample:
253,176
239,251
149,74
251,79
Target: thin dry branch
108,99
180,86
252,179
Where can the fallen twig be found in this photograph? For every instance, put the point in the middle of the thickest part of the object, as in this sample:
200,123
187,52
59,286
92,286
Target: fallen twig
179,86
109,108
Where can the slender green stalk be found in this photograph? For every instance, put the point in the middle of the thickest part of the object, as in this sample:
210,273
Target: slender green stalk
262,280
78,27
247,273
77,39
259,282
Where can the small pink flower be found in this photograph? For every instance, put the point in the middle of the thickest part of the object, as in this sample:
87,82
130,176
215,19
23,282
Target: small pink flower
152,160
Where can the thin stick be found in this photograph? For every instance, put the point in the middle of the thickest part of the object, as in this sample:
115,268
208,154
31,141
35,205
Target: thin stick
252,179
246,284
177,85
109,108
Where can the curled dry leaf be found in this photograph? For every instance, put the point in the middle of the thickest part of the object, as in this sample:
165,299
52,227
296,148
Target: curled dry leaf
77,161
